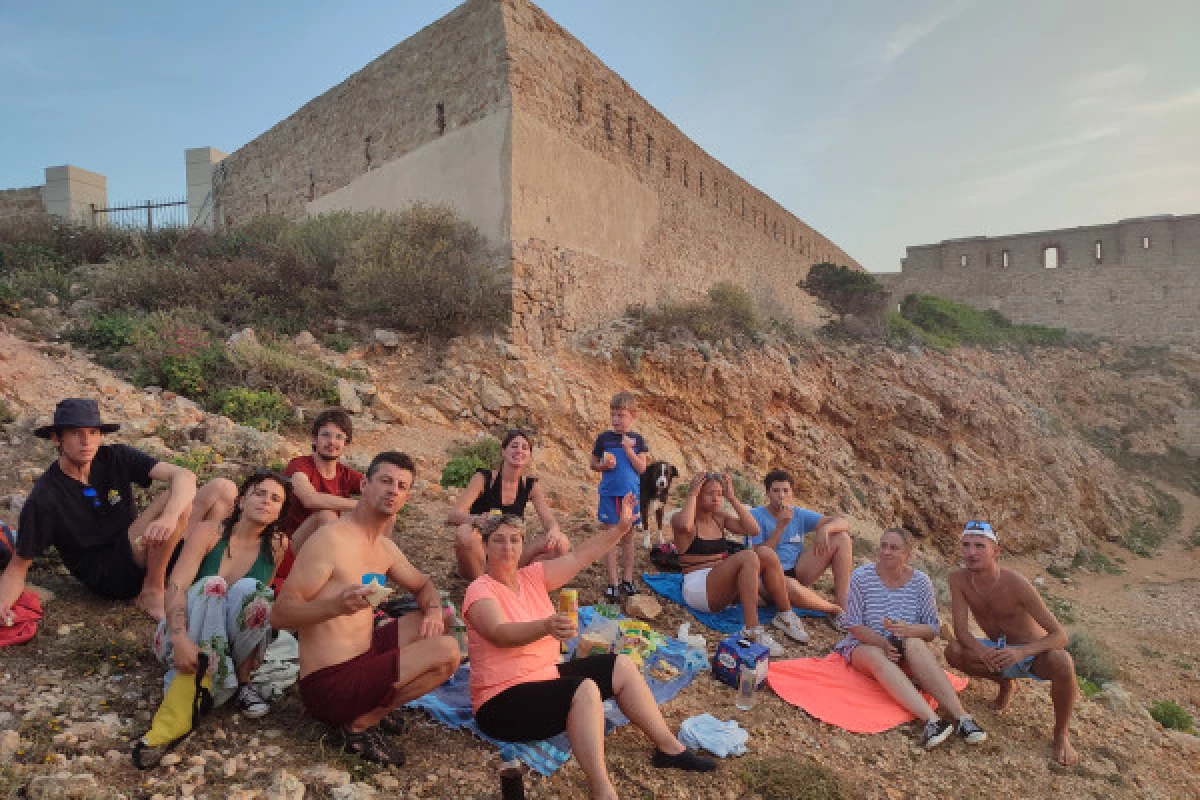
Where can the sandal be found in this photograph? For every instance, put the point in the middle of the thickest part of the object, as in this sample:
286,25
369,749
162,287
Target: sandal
369,745
394,723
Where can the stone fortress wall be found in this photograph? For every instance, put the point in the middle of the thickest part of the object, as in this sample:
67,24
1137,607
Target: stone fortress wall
614,206
1136,280
595,200
25,202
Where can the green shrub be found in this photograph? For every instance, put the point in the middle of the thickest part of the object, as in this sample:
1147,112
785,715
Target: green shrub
108,332
727,313
172,350
264,410
6,413
786,777
1089,687
945,323
849,293
1171,715
747,489
338,342
271,366
200,460
1159,519
466,457
1091,661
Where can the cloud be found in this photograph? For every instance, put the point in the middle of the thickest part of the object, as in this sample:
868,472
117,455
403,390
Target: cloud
906,36
1014,183
1167,105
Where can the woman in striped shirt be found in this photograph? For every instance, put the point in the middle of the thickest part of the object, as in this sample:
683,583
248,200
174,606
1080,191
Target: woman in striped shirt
891,616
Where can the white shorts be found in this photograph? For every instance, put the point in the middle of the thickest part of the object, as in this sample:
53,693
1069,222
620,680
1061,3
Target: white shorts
695,589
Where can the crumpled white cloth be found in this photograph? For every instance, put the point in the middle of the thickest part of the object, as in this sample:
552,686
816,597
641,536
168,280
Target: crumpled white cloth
280,667
720,737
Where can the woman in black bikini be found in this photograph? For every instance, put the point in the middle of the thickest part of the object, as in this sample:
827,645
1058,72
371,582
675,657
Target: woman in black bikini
507,490
713,578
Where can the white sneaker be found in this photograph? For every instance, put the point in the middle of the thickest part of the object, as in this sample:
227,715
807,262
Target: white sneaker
759,636
790,624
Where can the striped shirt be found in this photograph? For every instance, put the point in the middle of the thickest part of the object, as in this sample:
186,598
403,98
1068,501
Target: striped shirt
869,601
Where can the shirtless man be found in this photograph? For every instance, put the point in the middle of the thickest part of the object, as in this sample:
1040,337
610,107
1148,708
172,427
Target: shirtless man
1024,638
352,674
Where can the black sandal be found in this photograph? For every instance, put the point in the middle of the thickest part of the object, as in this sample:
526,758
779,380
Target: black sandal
369,745
394,723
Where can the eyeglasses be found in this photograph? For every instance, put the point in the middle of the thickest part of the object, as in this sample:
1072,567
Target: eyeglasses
90,493
978,525
374,577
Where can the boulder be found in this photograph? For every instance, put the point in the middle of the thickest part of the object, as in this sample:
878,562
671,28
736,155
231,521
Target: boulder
348,397
386,338
285,786
62,785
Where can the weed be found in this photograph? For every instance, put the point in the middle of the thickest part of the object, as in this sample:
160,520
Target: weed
1095,561
747,489
1060,607
946,324
1055,571
466,457
172,350
1091,660
1089,687
1171,715
728,312
338,342
200,460
105,333
1147,532
272,367
6,413
790,778
264,410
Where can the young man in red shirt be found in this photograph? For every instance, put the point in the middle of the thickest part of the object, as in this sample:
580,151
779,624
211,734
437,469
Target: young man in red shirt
321,484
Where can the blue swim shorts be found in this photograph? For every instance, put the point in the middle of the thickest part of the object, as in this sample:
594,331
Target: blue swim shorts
609,510
1021,669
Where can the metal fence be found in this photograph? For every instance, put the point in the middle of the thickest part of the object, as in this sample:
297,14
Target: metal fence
148,215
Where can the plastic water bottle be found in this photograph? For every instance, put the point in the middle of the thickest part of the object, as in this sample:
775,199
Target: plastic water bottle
747,677
512,780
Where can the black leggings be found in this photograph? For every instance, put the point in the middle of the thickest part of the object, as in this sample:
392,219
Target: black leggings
538,710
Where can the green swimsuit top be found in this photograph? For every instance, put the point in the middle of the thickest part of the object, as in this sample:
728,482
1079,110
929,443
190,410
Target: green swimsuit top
261,570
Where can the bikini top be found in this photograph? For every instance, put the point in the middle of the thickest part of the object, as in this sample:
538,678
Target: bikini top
490,498
707,547
261,570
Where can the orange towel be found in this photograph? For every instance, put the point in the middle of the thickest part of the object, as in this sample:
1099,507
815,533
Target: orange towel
834,692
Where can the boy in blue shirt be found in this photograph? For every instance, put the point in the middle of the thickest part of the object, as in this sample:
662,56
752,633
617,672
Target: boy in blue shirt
620,456
782,527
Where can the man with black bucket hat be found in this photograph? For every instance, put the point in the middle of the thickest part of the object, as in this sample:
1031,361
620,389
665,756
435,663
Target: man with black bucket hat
83,506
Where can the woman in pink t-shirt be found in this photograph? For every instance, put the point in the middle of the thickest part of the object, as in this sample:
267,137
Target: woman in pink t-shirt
519,690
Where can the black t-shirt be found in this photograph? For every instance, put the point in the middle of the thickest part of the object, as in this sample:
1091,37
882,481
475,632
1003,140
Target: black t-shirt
59,513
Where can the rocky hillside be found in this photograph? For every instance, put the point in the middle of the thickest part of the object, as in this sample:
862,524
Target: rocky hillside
1055,445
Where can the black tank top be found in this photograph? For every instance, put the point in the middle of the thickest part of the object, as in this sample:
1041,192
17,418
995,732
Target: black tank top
489,498
708,547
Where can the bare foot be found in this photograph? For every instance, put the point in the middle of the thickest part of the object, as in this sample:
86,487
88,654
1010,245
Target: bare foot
152,602
1003,697
1064,752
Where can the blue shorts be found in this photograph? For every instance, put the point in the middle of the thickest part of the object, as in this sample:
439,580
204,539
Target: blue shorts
1021,669
609,510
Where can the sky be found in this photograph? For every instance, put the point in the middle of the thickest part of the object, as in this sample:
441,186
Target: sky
880,123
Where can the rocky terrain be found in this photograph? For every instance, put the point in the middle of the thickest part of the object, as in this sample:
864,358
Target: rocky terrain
1044,443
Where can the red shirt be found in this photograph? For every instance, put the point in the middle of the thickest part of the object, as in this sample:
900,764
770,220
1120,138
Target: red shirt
345,482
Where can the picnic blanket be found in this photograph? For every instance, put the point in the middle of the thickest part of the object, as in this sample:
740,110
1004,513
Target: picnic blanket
832,691
450,705
728,620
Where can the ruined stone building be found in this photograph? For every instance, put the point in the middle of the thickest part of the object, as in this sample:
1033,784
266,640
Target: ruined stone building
1137,279
593,198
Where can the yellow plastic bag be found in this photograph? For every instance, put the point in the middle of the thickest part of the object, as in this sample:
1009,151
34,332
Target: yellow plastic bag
186,699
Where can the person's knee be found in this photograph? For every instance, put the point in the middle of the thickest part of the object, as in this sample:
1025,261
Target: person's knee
225,490
587,696
447,656
623,665
747,558
1060,664
466,538
767,557
562,548
915,648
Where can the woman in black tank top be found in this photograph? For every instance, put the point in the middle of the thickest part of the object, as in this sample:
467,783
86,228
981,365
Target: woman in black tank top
504,490
714,577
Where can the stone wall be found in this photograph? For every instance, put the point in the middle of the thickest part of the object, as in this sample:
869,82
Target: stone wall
614,206
21,202
449,75
1137,279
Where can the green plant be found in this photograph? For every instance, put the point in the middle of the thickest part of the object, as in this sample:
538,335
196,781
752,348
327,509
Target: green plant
273,366
1060,607
1171,715
6,413
466,457
338,342
728,312
107,332
265,410
174,351
946,324
199,460
790,778
849,293
1148,531
1095,561
1089,687
1091,660
748,490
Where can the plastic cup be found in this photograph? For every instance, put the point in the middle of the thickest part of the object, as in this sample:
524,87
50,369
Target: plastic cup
747,676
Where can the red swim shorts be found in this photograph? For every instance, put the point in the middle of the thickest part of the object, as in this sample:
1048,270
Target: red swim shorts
341,693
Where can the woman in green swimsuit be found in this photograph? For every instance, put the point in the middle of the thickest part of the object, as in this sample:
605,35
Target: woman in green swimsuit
225,612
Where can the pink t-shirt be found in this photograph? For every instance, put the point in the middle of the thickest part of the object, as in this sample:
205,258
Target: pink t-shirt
494,669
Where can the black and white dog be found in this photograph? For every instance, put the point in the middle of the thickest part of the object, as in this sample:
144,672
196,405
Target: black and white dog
656,489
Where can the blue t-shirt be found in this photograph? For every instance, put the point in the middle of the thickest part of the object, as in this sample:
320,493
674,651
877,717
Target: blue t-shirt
791,543
623,478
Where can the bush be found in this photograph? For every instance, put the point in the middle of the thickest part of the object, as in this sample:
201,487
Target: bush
1091,661
338,342
748,490
174,351
945,323
106,333
200,460
790,778
466,457
1171,715
271,366
849,293
728,312
264,410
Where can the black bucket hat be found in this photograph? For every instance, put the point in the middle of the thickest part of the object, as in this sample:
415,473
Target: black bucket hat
75,412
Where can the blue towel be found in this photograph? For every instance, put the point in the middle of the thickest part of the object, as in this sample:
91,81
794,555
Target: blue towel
450,704
728,620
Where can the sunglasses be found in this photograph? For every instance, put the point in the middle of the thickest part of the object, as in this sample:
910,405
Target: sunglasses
374,577
978,525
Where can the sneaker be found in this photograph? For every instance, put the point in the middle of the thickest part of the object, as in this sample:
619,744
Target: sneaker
759,636
790,624
612,596
688,760
250,702
970,731
628,589
369,745
936,732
